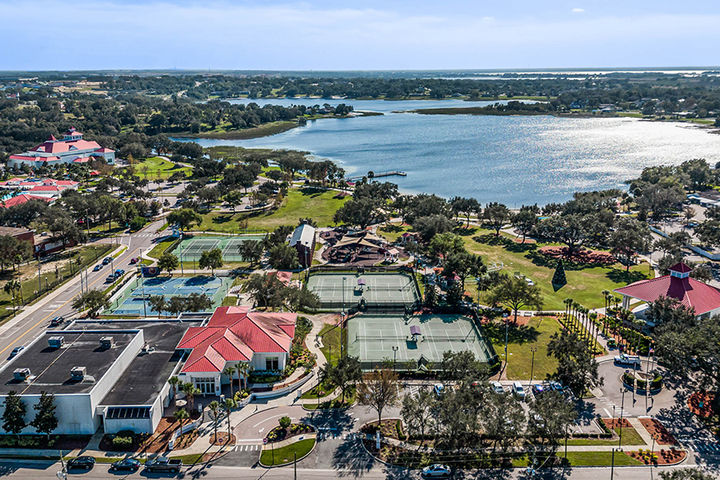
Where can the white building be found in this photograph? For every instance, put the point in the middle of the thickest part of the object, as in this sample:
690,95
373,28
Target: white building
72,148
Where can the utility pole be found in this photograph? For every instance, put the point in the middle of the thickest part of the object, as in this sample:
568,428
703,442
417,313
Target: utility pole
294,465
622,406
612,465
394,349
39,282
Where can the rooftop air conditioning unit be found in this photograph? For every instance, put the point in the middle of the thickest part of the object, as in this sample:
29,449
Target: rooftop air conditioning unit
56,342
78,373
107,343
21,374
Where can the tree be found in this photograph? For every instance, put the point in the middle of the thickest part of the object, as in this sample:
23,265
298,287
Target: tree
429,226
184,218
465,206
463,366
577,368
694,473
230,371
211,259
284,422
190,390
243,369
228,406
431,296
168,262
14,415
251,251
515,293
45,420
496,215
559,280
464,265
417,412
283,257
214,411
567,229
502,420
359,212
525,220
379,390
550,416
92,300
345,373
181,415
630,236
174,381
444,244
709,232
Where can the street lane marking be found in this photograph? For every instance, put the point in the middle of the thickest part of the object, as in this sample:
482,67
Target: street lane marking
51,313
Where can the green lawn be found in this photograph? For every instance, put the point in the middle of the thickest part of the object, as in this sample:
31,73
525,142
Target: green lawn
287,453
583,284
331,343
599,459
630,436
161,247
537,334
320,205
157,168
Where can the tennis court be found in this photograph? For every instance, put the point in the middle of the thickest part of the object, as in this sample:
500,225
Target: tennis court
190,249
372,339
134,300
338,289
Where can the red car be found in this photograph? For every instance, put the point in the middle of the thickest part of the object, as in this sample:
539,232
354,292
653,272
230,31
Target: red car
133,260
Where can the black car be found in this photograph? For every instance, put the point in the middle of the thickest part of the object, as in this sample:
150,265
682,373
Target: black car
126,464
84,462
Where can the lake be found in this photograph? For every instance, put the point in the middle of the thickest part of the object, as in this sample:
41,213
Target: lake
511,159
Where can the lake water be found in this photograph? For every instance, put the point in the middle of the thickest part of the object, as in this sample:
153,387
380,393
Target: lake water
512,159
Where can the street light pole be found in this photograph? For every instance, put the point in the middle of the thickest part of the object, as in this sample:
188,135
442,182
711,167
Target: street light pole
622,406
394,349
612,465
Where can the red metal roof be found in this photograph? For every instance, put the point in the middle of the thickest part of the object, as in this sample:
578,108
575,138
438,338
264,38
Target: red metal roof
690,292
22,198
234,334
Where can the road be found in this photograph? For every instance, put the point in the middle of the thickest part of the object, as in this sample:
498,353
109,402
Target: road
35,470
23,328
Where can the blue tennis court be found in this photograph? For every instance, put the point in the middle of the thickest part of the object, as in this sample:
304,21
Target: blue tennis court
134,300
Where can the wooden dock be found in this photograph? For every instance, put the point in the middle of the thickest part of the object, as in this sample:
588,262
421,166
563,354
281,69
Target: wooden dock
386,173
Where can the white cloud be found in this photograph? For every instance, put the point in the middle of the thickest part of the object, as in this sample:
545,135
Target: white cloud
578,10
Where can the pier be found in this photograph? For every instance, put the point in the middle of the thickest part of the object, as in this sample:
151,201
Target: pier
385,173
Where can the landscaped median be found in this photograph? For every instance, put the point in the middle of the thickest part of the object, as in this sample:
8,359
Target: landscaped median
287,443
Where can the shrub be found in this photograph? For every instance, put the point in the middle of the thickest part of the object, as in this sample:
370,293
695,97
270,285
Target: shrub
122,442
399,430
284,422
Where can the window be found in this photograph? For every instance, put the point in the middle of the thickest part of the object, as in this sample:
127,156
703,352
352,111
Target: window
271,363
206,385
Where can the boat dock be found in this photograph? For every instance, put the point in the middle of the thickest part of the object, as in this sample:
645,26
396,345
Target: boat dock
386,173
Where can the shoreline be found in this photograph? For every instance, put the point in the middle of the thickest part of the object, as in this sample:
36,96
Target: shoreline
267,129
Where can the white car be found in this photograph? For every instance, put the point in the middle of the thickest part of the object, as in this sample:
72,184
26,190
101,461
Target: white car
623,359
437,471
518,390
497,387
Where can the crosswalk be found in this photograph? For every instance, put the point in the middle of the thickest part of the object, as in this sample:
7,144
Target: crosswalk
248,448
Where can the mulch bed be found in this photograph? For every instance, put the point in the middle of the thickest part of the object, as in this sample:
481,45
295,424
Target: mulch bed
664,457
293,430
658,431
387,429
701,398
528,241
613,423
583,256
222,439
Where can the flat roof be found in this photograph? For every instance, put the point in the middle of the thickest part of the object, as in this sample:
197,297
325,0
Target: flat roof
50,367
142,381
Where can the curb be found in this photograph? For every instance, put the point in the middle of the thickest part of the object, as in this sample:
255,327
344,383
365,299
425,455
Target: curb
268,467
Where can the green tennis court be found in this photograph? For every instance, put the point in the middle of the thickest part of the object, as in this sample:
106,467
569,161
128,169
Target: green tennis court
191,248
417,338
348,289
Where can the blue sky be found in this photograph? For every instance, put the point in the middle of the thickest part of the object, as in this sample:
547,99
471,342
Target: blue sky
343,35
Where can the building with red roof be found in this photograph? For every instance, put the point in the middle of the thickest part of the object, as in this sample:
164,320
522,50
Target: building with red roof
23,198
703,298
234,335
70,148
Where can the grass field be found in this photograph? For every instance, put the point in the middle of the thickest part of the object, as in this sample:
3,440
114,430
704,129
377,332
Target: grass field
630,436
157,168
536,333
287,453
599,459
331,343
161,247
583,285
320,205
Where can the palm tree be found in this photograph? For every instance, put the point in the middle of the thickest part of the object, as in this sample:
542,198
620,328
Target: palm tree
10,290
243,370
230,371
190,390
174,382
228,405
214,408
181,415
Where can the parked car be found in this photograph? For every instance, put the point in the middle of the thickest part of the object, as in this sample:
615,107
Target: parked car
529,282
16,350
110,278
85,462
437,470
107,260
538,389
134,260
98,267
119,272
497,387
126,464
439,389
518,390
624,359
163,464
57,321
557,386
